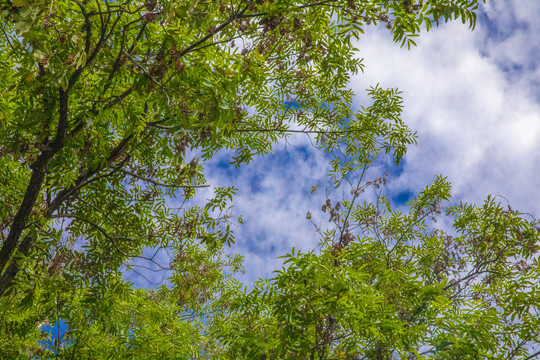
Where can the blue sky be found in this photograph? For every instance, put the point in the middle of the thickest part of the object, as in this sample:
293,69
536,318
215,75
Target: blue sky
472,96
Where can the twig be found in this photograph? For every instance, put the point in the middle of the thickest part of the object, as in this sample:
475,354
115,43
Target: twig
104,232
7,37
533,355
217,30
151,181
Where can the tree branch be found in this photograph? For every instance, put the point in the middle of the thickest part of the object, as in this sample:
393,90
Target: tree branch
32,192
533,355
118,99
87,26
151,181
39,170
7,37
83,178
217,30
109,237
326,132
297,8
14,267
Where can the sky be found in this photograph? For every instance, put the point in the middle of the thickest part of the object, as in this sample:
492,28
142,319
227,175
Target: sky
473,97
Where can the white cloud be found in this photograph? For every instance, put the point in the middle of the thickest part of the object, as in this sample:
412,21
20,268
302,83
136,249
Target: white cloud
476,124
274,198
515,24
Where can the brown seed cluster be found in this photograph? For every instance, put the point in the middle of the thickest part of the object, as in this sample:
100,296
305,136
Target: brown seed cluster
150,5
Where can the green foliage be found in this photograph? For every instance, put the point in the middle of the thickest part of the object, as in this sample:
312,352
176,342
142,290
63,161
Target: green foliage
108,112
389,285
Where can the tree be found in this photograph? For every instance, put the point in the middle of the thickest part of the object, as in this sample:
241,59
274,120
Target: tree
390,285
108,111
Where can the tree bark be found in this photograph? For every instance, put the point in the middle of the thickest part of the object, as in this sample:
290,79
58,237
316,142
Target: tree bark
39,170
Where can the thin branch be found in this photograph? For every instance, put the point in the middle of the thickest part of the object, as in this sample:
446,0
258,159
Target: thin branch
533,355
520,345
102,21
118,99
104,232
218,42
432,351
115,169
146,73
117,62
193,46
331,132
409,228
477,270
92,206
84,177
102,39
469,276
163,127
149,268
324,132
145,278
120,10
7,37
349,211
151,181
297,8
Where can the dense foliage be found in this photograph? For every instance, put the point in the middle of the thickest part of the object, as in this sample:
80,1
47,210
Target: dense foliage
109,110
388,285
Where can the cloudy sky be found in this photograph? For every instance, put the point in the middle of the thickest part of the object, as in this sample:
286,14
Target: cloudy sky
472,96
